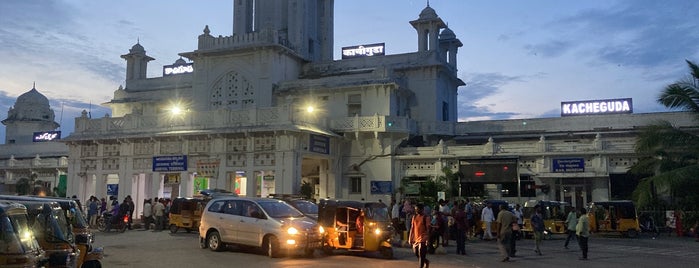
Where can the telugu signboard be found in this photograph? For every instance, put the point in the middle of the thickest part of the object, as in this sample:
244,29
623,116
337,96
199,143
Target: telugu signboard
363,51
591,107
568,165
170,163
178,69
46,136
319,144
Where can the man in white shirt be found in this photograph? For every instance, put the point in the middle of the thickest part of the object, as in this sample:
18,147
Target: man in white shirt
487,218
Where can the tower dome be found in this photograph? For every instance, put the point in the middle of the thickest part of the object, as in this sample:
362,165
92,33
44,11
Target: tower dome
447,34
137,48
428,13
31,106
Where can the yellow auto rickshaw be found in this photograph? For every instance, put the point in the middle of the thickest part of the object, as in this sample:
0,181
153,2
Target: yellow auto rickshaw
186,213
355,226
18,245
553,213
614,217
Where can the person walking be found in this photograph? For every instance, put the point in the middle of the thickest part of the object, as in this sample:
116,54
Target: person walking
420,235
487,217
147,214
583,232
537,221
409,211
470,220
504,232
92,210
571,222
159,212
461,224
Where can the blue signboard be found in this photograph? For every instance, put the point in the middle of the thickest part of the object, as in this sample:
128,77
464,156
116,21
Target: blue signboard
170,163
569,165
381,187
319,144
112,189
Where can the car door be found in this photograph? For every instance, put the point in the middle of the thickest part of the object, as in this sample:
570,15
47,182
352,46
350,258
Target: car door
251,225
227,221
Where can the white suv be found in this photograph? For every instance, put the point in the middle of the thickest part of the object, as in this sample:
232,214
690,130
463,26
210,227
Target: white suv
271,224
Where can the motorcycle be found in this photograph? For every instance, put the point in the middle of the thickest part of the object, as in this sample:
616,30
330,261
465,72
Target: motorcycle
103,224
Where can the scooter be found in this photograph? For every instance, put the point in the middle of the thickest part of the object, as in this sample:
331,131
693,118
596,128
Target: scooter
120,225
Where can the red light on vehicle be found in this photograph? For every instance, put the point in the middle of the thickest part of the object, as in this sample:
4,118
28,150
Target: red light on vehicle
479,173
505,168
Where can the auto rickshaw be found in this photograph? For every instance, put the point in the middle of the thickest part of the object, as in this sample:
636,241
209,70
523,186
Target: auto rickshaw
18,245
355,226
90,255
553,213
614,217
53,232
186,213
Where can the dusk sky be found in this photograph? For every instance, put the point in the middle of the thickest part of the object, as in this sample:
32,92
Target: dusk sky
520,59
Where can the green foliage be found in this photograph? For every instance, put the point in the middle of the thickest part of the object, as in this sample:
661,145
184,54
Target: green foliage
670,153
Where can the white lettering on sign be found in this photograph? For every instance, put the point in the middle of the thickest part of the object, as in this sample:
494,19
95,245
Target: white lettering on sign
363,51
170,70
596,107
46,136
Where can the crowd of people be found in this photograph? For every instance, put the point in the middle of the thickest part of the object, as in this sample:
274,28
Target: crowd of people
155,211
428,227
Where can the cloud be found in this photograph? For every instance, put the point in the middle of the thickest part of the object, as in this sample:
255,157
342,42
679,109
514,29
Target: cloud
478,87
642,34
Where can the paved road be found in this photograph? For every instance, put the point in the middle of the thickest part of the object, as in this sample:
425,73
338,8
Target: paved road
137,248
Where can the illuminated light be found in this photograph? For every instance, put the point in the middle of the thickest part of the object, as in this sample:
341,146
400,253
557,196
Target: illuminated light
377,231
505,168
321,230
176,110
389,123
292,231
479,173
310,109
291,242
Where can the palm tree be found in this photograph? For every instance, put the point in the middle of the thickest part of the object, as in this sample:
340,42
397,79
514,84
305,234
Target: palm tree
671,154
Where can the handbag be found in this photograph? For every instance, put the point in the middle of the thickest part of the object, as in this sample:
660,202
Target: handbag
515,227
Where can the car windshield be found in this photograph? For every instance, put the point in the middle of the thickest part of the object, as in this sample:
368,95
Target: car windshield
280,209
307,207
377,213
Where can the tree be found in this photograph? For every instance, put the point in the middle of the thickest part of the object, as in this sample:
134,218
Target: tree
670,154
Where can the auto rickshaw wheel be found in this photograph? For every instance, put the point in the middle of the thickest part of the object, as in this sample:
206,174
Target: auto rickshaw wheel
173,228
92,264
631,233
309,252
386,252
214,241
328,250
272,246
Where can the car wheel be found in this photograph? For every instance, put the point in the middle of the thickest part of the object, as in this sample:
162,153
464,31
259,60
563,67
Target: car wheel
173,228
214,241
272,246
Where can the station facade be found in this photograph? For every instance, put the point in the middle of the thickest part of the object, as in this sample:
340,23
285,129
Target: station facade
267,110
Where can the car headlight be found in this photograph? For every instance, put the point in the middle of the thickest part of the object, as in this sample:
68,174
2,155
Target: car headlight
321,230
292,231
